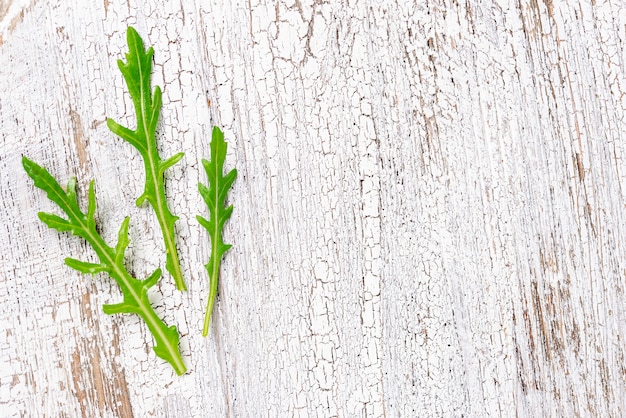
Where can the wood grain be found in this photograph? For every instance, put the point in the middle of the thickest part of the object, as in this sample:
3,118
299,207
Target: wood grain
428,215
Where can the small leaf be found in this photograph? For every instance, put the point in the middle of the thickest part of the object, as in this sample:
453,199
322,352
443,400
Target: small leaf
141,199
122,241
205,223
205,192
225,215
223,248
84,267
91,205
116,308
44,180
126,134
152,279
56,222
71,189
227,182
153,119
170,162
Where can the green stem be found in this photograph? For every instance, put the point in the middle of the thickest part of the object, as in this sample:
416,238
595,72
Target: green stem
213,280
166,222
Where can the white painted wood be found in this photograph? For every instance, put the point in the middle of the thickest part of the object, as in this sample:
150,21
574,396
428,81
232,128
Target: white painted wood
429,214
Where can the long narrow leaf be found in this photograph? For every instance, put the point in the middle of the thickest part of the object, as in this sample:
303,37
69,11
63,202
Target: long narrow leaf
215,197
136,71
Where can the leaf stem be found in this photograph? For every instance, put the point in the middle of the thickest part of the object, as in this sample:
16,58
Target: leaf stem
214,273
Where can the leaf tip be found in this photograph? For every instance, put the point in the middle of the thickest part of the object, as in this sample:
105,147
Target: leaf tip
133,38
131,31
25,161
217,132
124,226
29,165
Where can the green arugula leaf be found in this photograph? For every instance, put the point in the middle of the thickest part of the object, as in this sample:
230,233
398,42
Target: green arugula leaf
135,292
215,197
136,71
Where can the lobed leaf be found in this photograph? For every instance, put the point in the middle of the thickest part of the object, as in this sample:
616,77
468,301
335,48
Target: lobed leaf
137,72
111,261
215,197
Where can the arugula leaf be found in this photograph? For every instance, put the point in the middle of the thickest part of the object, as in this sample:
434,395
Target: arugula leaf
215,197
135,292
136,72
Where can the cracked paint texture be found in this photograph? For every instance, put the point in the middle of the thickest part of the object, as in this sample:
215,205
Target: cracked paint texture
428,215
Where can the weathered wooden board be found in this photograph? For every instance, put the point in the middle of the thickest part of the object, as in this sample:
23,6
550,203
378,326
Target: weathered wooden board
428,221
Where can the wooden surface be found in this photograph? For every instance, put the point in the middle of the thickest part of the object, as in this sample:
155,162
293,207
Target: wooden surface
429,216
